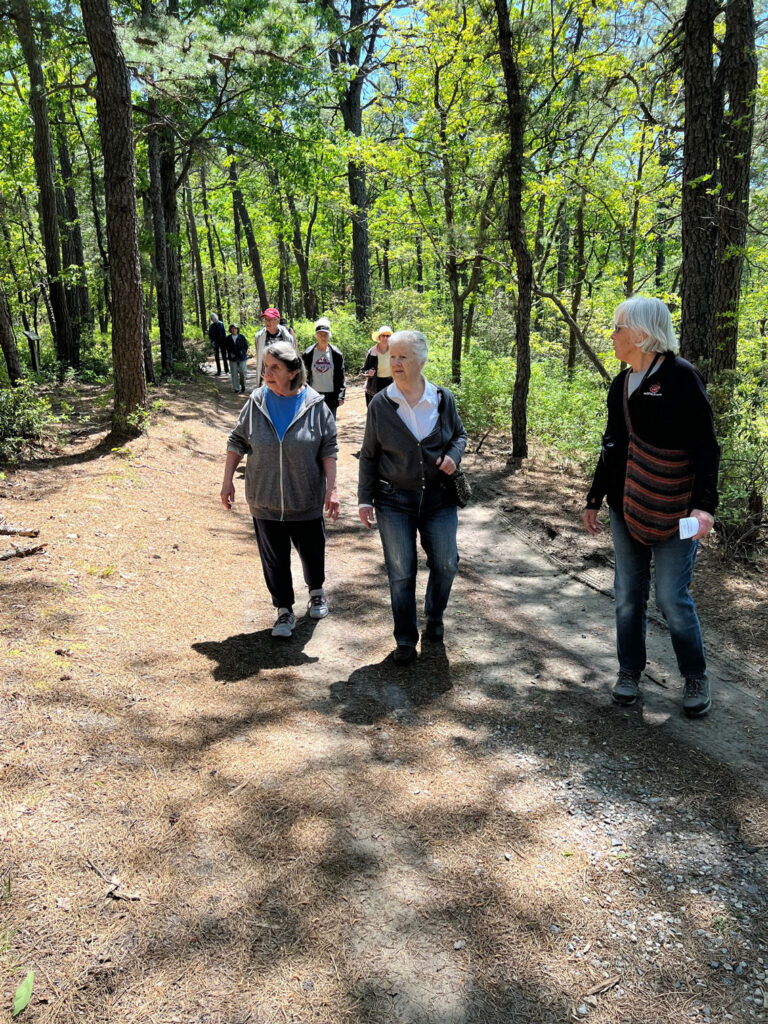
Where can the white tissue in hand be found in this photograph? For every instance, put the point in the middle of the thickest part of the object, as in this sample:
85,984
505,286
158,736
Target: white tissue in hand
689,527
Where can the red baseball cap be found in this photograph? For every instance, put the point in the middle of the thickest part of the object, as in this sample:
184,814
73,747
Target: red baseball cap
272,311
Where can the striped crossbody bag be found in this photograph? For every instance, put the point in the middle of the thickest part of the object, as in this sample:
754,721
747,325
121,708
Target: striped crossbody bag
658,483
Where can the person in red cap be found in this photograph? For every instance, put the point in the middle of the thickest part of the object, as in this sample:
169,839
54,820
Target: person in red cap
271,332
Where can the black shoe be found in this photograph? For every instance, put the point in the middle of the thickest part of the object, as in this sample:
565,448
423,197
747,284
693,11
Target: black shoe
434,632
404,655
627,688
696,698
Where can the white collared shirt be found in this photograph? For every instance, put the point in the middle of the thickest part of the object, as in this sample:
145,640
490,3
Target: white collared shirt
420,419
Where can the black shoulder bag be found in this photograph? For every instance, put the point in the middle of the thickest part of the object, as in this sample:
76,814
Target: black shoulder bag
456,486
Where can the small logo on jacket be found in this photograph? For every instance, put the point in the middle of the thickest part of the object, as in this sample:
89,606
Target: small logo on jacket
654,389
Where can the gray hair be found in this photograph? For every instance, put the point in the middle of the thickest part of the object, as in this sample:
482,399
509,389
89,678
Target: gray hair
416,340
287,354
651,316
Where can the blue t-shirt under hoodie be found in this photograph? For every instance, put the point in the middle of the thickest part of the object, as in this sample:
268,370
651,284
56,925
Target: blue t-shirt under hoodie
282,409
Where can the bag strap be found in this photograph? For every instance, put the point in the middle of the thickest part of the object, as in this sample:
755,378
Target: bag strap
641,385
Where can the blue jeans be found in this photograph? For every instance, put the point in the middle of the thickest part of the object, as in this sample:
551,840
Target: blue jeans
673,561
238,369
401,514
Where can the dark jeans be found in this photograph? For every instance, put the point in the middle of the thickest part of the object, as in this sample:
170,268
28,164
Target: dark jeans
274,539
220,350
673,561
401,514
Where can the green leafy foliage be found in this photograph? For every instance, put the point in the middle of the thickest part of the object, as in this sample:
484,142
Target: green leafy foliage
24,414
23,994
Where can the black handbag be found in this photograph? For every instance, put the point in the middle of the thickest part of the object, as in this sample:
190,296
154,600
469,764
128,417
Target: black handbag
457,485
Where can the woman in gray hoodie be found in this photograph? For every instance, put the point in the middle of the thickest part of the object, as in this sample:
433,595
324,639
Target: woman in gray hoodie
289,435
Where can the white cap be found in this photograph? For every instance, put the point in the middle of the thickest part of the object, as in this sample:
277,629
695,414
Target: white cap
323,324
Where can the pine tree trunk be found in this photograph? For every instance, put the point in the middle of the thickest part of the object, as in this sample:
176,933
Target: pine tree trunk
72,237
169,191
66,351
105,310
515,115
209,239
194,245
164,320
698,210
8,341
737,80
113,107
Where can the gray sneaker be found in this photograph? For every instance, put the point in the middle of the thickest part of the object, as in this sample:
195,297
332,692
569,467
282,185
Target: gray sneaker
696,698
317,605
284,623
627,688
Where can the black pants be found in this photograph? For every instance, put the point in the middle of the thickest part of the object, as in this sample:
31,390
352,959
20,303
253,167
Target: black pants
274,540
219,346
332,401
379,383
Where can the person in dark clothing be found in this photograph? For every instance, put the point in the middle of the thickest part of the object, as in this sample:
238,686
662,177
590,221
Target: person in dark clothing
659,487
237,347
414,439
376,366
217,334
325,367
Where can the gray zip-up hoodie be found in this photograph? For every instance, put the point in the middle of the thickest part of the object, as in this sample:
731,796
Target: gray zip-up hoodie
284,480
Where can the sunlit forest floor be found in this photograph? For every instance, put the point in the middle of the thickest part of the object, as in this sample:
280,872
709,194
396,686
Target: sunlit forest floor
202,824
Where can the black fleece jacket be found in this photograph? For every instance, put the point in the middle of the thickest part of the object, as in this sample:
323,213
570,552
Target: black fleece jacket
671,410
391,452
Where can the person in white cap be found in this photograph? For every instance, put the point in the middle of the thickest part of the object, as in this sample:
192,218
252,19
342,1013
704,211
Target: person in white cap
325,367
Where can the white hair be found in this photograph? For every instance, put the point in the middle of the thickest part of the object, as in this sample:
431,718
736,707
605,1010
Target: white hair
416,340
652,317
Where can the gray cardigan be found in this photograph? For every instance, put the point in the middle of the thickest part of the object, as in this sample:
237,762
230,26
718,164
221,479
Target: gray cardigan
285,480
390,451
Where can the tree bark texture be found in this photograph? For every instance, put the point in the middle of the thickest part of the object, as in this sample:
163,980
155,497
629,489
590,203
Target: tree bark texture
105,312
209,239
254,256
301,255
113,107
515,115
698,211
81,311
736,87
169,188
8,341
66,351
194,245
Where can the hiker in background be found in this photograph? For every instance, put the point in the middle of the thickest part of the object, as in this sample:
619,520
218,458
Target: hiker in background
414,439
668,474
271,332
217,335
376,368
289,436
284,323
237,347
325,367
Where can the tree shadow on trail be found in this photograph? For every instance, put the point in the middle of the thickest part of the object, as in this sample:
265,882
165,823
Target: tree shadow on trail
247,654
375,691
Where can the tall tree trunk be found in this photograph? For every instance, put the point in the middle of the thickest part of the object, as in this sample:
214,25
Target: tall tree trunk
66,350
254,256
164,318
169,191
698,211
358,197
8,341
301,255
515,115
194,246
579,273
113,107
238,257
736,89
105,311
419,266
209,238
72,237
14,274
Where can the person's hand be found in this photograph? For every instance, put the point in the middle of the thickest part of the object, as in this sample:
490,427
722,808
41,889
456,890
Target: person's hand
446,465
706,522
341,401
370,373
367,516
332,505
228,494
591,523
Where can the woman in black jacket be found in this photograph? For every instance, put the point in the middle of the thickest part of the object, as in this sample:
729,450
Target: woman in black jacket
414,440
376,368
658,470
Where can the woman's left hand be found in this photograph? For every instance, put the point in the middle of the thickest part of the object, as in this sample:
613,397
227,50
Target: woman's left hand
332,505
706,522
447,465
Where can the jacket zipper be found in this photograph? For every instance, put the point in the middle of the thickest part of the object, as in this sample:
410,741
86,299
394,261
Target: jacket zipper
265,413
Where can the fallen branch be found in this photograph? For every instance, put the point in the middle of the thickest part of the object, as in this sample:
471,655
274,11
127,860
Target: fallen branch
602,986
18,531
15,552
115,889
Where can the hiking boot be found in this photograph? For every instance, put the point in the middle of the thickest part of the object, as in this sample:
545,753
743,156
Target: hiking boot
404,655
317,606
284,623
434,632
696,698
627,688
